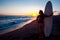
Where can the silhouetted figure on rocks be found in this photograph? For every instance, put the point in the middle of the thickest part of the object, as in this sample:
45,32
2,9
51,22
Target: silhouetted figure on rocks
40,20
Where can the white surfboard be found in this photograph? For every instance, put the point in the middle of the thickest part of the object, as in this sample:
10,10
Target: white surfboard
48,20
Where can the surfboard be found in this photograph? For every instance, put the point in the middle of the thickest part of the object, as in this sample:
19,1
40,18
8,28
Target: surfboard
48,20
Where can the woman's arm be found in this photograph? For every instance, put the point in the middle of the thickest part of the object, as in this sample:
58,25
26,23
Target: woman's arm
48,15
37,17
51,14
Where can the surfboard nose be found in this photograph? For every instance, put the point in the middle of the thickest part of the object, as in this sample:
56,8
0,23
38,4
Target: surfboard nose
49,2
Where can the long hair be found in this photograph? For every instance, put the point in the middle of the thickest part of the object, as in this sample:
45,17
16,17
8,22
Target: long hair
40,12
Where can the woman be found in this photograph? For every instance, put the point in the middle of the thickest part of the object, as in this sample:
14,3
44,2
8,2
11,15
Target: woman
40,20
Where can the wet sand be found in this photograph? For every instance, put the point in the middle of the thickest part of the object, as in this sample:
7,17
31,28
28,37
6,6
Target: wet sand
30,32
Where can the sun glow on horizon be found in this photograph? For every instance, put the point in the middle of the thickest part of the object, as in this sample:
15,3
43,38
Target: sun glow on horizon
34,14
28,11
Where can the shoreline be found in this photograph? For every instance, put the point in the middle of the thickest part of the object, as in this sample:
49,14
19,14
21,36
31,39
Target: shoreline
17,27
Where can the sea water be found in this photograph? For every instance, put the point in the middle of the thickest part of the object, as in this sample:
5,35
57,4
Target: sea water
12,21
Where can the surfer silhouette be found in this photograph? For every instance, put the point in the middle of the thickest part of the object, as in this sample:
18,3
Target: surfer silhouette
41,17
40,20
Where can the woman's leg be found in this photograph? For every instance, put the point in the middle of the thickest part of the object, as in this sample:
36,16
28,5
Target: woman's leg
41,31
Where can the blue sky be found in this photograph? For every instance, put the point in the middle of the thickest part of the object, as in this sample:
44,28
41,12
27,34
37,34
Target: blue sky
25,6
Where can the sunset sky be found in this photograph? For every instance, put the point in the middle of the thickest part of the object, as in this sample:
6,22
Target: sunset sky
25,7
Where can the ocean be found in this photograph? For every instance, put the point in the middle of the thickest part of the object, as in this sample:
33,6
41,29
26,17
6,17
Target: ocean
12,21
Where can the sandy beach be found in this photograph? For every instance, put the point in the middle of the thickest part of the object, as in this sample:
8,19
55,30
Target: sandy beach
30,32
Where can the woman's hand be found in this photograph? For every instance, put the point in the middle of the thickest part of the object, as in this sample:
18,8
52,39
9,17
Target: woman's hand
51,14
